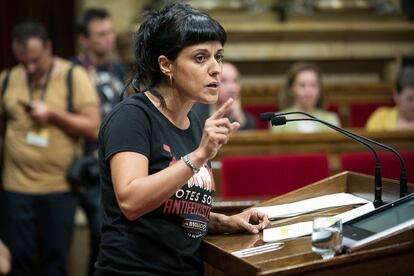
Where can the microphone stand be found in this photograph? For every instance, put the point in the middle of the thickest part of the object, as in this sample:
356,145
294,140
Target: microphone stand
280,120
403,175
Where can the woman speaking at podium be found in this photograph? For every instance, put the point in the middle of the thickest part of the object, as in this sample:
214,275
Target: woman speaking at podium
157,184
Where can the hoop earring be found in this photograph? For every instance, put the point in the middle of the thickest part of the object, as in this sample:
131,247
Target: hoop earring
171,79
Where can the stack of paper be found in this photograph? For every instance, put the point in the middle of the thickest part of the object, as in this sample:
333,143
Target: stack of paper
305,228
310,205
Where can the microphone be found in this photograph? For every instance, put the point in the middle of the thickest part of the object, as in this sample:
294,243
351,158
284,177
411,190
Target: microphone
277,119
403,173
267,116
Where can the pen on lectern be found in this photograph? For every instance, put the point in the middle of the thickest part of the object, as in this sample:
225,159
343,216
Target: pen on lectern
258,250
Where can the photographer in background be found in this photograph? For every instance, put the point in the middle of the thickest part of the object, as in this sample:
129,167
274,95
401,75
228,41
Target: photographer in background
42,131
97,37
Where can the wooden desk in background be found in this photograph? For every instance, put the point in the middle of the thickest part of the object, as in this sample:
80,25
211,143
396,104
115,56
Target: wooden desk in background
356,49
340,97
331,143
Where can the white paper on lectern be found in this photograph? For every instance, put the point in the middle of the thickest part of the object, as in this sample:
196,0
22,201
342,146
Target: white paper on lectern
310,205
356,212
305,228
287,232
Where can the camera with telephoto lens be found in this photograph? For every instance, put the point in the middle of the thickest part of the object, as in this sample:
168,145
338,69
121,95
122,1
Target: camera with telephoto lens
84,170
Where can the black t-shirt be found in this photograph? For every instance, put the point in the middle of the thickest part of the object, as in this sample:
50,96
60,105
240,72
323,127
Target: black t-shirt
167,240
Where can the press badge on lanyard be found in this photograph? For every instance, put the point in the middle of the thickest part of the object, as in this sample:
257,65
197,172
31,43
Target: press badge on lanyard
38,137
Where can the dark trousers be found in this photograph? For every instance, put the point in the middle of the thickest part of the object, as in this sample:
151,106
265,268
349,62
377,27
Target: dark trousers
90,202
39,225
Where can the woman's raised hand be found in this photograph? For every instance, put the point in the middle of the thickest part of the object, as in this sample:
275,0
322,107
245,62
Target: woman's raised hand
216,132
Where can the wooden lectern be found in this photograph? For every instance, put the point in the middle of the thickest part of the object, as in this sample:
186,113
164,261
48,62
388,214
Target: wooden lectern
393,254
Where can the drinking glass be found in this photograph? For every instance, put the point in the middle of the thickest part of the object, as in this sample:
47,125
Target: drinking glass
327,236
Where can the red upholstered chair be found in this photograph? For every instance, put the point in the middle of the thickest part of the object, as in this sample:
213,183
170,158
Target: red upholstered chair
255,110
270,175
364,162
335,109
359,112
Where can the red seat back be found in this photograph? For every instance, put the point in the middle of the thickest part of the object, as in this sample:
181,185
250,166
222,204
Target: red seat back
270,175
364,162
360,112
336,109
255,110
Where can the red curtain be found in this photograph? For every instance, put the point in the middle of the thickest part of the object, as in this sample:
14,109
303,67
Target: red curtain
57,16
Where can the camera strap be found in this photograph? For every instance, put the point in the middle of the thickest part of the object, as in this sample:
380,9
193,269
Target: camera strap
69,85
5,83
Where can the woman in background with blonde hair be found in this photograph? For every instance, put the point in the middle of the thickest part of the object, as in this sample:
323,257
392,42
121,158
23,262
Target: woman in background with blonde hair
303,91
400,116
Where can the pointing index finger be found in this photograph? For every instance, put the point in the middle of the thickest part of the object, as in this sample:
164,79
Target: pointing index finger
222,110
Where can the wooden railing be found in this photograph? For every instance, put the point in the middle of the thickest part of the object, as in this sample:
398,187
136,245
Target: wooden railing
336,93
340,96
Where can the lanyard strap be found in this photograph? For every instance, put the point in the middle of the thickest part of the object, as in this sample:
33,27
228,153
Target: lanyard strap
44,86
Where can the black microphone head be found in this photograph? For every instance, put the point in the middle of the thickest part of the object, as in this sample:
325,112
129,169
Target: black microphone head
279,120
266,116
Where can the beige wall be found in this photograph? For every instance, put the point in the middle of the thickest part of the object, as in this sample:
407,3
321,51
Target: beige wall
126,12
123,12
